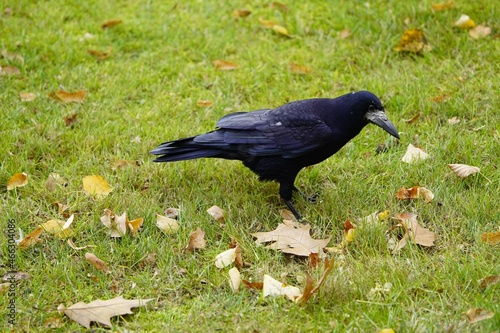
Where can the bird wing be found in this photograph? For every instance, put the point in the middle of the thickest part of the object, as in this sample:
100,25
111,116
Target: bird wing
270,132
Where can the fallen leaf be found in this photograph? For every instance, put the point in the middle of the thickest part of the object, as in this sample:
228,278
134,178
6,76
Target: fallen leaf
100,55
76,248
96,186
414,193
272,287
480,31
267,24
299,69
53,322
349,231
196,240
98,263
414,231
453,121
463,170
31,238
59,228
292,240
344,33
442,6
279,6
464,22
386,330
238,260
204,103
287,215
16,276
12,56
280,30
253,285
441,98
68,97
239,13
225,258
70,120
413,119
134,225
173,213
117,225
217,213
414,154
489,281
491,237
27,96
234,279
101,311
111,23
166,224
18,180
9,70
223,65
4,287
308,292
478,314
61,209
53,181
413,41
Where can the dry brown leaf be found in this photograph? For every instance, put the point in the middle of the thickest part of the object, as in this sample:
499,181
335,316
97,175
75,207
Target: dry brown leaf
27,96
234,279
279,6
308,292
111,23
134,225
96,186
491,237
31,238
489,281
100,55
117,225
18,180
238,260
223,65
239,13
463,170
53,181
15,275
414,154
478,314
272,287
166,224
196,240
299,69
253,285
414,193
344,33
440,98
217,213
465,22
68,97
204,103
292,240
287,215
480,31
414,231
101,311
225,258
9,70
98,263
442,6
70,119
413,119
413,41
173,213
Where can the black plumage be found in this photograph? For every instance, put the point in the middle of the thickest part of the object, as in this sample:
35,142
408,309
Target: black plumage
277,143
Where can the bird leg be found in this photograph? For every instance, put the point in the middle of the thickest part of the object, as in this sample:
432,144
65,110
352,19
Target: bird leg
293,209
313,198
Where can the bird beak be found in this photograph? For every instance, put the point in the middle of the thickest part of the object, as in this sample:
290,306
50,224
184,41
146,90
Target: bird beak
379,118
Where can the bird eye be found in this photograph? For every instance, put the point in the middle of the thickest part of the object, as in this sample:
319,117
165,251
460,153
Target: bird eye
371,107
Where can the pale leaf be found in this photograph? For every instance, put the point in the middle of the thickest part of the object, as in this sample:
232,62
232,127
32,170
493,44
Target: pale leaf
217,213
101,311
18,180
463,170
478,314
274,287
414,154
292,240
98,263
465,22
299,69
96,186
117,225
166,224
480,31
234,279
196,240
27,96
414,231
225,258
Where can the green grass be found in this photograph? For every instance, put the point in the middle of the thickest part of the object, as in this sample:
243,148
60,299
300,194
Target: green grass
160,66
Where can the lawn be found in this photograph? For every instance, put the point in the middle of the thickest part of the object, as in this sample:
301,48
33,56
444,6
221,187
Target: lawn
155,81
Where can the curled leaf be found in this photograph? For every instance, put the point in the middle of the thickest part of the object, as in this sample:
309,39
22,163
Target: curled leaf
31,238
463,170
111,23
465,22
478,314
240,13
18,180
225,258
414,154
223,65
299,69
98,263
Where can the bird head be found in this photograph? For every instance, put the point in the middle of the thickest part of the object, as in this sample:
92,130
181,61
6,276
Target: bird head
375,112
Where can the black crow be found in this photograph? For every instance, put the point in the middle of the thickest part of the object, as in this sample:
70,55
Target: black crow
277,143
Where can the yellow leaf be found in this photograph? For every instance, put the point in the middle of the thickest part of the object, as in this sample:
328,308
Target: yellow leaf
27,96
442,6
224,65
96,186
204,102
344,33
31,238
238,13
100,55
111,23
465,22
166,224
267,24
491,237
299,69
120,164
134,225
59,228
281,30
387,330
413,41
18,180
68,97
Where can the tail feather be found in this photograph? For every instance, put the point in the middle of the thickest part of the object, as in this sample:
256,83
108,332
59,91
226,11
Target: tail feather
183,149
